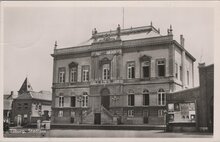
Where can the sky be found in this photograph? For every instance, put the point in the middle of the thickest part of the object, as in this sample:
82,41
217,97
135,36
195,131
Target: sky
30,32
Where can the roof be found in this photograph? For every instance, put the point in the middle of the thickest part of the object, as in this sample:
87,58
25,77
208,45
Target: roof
7,104
148,33
26,86
42,95
8,96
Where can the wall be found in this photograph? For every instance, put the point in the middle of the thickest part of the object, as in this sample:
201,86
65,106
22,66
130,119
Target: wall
135,56
82,61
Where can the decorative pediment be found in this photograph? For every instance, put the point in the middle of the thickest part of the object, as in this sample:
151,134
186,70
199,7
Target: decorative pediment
104,60
145,58
73,64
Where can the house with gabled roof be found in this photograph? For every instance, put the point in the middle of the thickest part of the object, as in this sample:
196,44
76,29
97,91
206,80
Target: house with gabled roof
30,106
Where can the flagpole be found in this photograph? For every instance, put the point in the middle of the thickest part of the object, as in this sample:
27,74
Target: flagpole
123,17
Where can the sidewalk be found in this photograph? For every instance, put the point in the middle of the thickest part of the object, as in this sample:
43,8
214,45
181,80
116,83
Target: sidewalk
107,127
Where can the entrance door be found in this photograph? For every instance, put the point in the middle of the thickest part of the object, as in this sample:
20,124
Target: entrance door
105,101
145,116
105,98
97,118
19,120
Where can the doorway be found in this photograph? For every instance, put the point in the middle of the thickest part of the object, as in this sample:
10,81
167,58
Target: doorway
97,118
145,116
105,98
19,120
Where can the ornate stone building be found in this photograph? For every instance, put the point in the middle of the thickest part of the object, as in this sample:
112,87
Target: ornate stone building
119,77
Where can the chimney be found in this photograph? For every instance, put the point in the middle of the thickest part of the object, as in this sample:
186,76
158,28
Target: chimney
182,40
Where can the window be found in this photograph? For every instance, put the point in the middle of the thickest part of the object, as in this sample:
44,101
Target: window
26,105
130,113
161,97
161,67
131,99
19,106
181,73
106,72
160,113
60,113
85,99
131,70
187,77
85,73
73,74
61,101
146,69
73,101
145,97
61,75
176,70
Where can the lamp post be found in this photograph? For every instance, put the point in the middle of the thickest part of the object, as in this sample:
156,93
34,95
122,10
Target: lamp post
80,99
165,119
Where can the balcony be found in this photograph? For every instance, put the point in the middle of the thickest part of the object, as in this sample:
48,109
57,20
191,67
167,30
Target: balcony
102,82
70,84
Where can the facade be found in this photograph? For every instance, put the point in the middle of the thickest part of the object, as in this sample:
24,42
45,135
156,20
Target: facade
192,109
8,99
31,106
119,77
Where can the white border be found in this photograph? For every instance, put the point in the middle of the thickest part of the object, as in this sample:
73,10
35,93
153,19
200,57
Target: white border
167,4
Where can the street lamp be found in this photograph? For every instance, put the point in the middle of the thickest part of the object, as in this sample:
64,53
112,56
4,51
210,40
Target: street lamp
80,100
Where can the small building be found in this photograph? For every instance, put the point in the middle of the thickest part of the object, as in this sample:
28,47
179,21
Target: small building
192,109
31,106
121,74
8,99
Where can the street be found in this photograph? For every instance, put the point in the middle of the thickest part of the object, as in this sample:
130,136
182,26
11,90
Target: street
111,134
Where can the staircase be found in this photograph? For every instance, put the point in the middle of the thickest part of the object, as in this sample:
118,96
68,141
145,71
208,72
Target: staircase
106,116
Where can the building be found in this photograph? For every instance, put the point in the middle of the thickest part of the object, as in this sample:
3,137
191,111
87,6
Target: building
119,77
8,99
192,109
31,106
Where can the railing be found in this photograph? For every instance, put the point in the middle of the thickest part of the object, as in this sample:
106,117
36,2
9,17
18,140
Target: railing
110,81
107,112
113,81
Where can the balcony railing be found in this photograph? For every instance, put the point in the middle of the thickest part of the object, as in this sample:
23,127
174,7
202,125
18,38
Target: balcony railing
110,81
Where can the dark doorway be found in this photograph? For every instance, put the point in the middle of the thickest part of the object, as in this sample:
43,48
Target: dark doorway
105,98
105,101
145,116
97,118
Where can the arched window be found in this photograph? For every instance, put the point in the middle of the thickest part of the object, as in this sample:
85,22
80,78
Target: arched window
131,97
161,97
146,99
